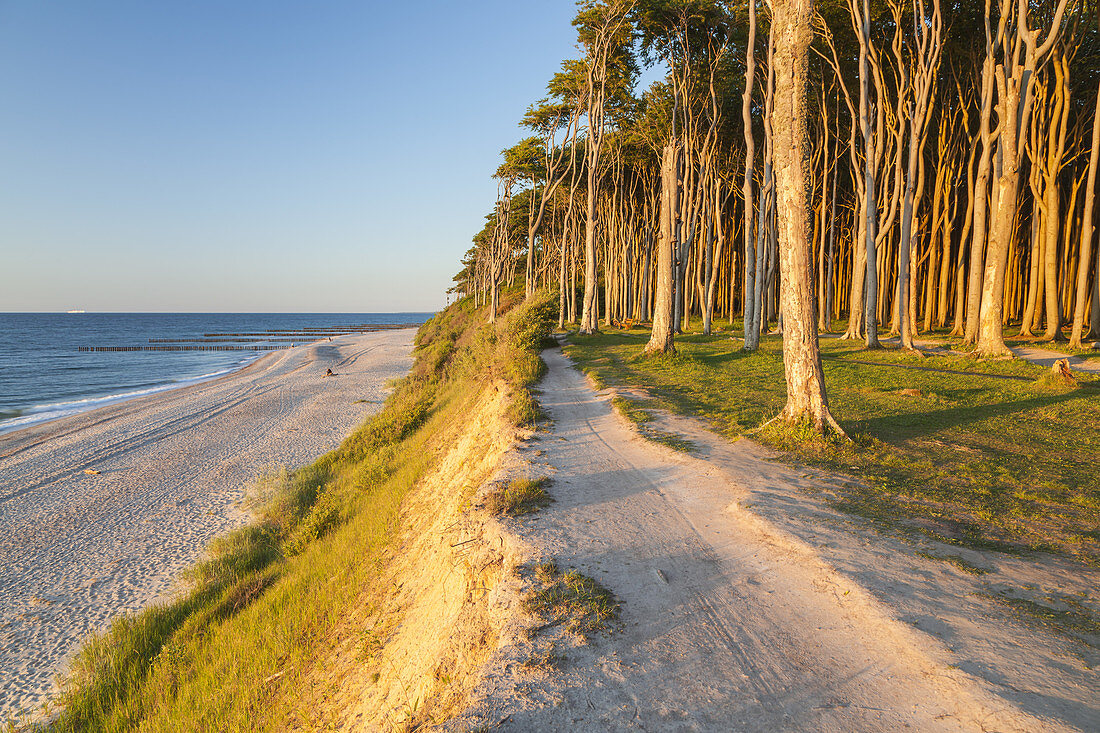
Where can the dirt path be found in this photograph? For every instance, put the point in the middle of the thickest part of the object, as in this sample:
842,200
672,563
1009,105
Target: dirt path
749,605
78,548
1046,357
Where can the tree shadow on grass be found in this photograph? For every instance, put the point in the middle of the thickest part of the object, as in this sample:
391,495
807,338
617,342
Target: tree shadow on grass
893,428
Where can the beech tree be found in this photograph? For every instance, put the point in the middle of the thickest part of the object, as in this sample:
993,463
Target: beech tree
806,397
948,188
604,33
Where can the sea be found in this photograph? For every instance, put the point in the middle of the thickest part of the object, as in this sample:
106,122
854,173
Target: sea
45,374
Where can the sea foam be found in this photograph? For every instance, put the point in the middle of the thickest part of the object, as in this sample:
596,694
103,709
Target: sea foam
44,413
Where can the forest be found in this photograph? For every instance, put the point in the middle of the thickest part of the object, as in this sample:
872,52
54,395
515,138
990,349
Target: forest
871,168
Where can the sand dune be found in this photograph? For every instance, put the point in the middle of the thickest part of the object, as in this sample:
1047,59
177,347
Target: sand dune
100,512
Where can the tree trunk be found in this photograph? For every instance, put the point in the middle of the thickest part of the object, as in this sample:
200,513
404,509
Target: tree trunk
1084,259
589,314
661,338
980,216
1052,199
748,296
532,225
870,205
806,398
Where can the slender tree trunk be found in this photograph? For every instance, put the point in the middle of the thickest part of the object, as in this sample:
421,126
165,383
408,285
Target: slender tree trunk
1052,199
748,296
1085,256
529,273
589,314
715,248
1094,311
661,338
806,397
561,285
830,259
980,218
870,205
958,327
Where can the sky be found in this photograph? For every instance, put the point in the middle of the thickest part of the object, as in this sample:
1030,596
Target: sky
275,156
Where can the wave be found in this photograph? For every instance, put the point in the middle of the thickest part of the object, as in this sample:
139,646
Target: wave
22,418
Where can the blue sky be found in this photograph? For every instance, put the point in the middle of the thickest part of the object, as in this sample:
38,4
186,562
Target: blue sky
256,156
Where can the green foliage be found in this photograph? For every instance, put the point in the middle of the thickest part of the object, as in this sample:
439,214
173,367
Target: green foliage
515,344
524,410
525,159
322,516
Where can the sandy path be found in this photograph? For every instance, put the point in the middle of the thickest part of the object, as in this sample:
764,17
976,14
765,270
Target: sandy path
1046,357
78,549
729,621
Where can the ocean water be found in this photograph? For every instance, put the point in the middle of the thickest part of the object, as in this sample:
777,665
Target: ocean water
43,375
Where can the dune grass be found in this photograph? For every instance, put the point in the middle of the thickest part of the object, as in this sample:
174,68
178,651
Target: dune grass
979,453
236,650
519,496
576,600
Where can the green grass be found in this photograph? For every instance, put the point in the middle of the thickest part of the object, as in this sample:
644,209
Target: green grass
581,603
520,496
643,419
990,455
1063,613
957,560
237,651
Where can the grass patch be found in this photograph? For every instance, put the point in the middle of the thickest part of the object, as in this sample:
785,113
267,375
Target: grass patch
581,603
544,658
1062,613
987,455
957,560
237,650
520,496
642,420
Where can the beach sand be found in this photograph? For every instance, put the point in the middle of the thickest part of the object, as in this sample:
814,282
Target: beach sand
78,549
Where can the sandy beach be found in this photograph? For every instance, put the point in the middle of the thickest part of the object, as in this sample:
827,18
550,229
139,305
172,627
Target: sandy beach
170,472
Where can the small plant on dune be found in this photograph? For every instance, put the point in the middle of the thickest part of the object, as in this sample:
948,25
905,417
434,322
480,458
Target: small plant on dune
520,496
524,411
585,606
515,345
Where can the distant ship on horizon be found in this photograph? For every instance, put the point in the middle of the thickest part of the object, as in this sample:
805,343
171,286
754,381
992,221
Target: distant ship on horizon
76,310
